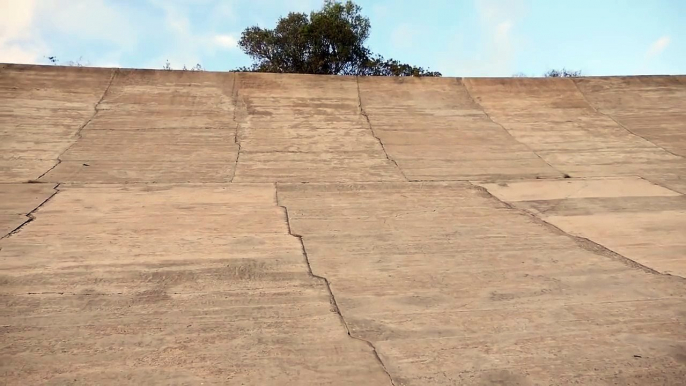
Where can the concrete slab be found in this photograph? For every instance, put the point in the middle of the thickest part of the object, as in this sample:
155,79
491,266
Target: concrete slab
172,155
556,121
171,127
161,261
453,287
435,131
654,239
23,198
650,106
168,284
17,201
576,188
41,110
630,216
301,129
10,222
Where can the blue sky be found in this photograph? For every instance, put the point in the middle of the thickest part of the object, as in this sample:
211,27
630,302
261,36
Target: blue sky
458,37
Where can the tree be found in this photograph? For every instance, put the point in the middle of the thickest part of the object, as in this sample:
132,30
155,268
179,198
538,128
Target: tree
563,73
328,41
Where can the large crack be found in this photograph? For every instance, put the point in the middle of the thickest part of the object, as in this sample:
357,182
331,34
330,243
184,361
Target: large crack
327,284
371,128
618,123
483,110
30,215
78,135
582,242
234,96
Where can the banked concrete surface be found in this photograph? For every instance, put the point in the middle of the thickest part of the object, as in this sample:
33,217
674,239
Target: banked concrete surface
217,228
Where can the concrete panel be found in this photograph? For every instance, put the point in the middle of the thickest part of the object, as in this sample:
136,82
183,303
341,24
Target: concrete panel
41,110
154,126
426,124
452,287
160,261
10,222
17,201
169,155
302,129
633,217
577,188
169,285
23,198
555,120
649,106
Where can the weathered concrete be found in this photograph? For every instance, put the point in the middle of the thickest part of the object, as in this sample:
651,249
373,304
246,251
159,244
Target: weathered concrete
179,284
41,111
433,129
631,216
453,287
556,121
172,128
219,228
18,201
302,128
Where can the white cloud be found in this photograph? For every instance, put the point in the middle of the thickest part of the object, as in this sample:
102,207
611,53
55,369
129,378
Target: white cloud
658,46
498,21
18,39
97,20
225,41
26,25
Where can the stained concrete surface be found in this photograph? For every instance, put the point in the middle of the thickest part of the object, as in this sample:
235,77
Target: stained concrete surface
215,228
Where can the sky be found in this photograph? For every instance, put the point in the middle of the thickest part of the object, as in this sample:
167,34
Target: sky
457,38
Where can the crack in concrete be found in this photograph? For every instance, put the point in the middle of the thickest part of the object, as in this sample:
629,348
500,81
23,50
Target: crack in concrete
234,96
78,135
483,110
371,128
582,242
327,284
619,124
30,215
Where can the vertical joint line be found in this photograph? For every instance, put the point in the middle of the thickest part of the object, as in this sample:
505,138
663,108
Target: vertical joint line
369,123
234,96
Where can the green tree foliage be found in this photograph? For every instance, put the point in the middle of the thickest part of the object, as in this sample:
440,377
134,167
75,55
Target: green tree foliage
563,73
328,41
